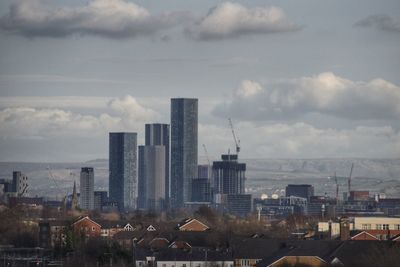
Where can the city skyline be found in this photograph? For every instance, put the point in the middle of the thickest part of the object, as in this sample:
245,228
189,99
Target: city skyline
286,81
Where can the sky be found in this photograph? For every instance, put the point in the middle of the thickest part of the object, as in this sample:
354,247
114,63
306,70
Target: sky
299,79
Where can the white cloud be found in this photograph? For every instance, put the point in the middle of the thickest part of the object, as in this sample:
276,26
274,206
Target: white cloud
302,140
325,93
42,123
248,88
109,18
381,22
230,20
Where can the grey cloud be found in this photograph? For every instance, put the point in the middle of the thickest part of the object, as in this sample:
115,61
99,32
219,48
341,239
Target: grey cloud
108,18
230,20
380,21
325,93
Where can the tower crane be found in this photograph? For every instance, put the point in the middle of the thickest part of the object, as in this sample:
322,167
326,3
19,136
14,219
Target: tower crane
237,141
206,152
349,181
337,189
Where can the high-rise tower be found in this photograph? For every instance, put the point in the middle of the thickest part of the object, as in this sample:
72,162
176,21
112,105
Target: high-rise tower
151,178
123,169
157,134
184,119
87,189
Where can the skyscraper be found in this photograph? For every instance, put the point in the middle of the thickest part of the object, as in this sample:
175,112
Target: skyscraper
229,175
184,118
87,189
151,178
157,134
123,170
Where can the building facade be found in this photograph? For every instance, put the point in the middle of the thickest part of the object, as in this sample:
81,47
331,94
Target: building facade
20,184
157,134
229,175
87,188
300,190
184,139
152,170
123,169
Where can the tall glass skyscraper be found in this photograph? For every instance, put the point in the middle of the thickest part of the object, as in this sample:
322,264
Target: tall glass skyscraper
87,188
157,134
123,169
184,119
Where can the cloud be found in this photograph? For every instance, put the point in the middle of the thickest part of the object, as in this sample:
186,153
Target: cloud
302,140
125,114
230,20
381,21
325,93
108,18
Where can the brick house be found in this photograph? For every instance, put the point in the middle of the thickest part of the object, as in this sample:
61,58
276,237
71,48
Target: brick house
86,227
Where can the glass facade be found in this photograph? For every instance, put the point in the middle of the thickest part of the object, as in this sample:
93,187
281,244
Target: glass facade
157,134
184,120
123,169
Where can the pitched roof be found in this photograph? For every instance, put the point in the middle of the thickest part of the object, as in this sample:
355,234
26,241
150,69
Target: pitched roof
129,235
188,221
321,249
363,233
85,218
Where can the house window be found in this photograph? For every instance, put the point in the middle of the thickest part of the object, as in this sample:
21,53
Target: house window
93,228
397,227
184,265
379,227
366,226
385,226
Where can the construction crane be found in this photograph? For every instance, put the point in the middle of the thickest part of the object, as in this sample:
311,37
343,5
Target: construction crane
55,182
237,141
349,181
206,152
337,189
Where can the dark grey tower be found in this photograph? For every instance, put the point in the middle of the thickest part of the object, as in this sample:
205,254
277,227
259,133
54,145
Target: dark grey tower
123,171
151,195
229,175
184,118
157,134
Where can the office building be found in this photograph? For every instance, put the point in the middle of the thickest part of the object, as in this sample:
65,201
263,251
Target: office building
100,197
157,134
123,170
300,190
87,189
184,119
229,175
151,178
20,184
239,204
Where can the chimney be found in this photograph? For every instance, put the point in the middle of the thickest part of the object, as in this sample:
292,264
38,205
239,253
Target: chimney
344,228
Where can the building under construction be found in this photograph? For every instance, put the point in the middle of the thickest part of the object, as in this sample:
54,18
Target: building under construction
229,175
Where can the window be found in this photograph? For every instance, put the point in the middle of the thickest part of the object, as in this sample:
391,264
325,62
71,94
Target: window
164,265
183,265
379,227
385,226
93,228
397,227
366,226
